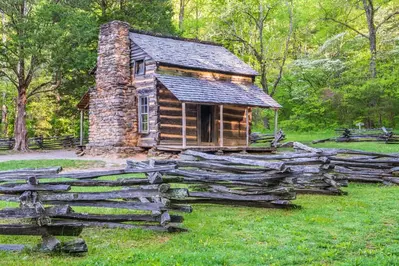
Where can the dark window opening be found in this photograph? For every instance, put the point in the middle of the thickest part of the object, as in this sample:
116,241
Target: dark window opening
207,123
139,67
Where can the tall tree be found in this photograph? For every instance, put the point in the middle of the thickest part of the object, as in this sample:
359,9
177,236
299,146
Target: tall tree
154,15
4,116
370,10
261,27
38,51
182,7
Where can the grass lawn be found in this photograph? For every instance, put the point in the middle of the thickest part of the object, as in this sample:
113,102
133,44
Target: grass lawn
66,164
359,229
307,138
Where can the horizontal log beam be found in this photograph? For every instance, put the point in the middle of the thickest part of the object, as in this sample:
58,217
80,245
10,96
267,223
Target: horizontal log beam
280,166
55,230
121,225
27,187
118,217
18,213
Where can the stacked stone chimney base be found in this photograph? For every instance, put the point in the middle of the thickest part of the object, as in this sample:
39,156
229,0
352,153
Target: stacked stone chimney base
113,107
113,151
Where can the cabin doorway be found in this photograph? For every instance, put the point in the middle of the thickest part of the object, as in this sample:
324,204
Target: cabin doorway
206,124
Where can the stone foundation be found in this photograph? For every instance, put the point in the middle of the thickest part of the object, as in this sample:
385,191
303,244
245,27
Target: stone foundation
112,151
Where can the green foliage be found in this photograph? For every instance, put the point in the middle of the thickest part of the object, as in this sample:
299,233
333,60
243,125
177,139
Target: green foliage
325,81
60,45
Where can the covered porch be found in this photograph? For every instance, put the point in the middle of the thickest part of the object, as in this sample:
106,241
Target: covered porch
208,115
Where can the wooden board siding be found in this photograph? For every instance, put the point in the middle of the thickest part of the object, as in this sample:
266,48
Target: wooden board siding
170,111
145,86
203,74
234,125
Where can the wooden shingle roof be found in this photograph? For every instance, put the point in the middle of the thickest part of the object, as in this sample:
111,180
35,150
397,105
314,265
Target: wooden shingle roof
189,89
191,54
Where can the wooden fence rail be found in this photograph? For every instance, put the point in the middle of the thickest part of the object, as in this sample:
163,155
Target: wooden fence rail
148,204
271,139
49,143
365,135
51,201
362,166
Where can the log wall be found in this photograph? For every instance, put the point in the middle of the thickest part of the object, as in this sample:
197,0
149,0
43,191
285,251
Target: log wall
145,86
170,114
204,74
234,125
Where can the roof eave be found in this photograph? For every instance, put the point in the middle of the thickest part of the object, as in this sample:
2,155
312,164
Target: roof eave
235,104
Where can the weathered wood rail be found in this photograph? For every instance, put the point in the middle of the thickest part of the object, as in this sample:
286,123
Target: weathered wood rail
226,180
365,135
360,166
253,180
271,139
51,201
49,143
146,201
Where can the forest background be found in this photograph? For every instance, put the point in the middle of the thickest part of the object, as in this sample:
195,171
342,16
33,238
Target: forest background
330,63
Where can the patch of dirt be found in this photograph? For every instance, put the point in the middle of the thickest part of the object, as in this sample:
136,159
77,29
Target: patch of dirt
69,155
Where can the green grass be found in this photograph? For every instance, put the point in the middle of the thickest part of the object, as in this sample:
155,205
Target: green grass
307,138
367,146
359,229
66,164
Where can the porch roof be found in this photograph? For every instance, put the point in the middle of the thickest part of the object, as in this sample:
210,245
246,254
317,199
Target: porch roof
190,89
83,104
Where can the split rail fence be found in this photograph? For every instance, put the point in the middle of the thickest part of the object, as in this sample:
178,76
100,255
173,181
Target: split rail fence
51,201
365,135
271,139
50,143
150,202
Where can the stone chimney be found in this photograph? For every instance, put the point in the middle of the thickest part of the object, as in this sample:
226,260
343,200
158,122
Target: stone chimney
113,118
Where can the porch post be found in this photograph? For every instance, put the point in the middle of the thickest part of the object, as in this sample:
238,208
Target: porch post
81,127
184,135
247,125
275,121
221,126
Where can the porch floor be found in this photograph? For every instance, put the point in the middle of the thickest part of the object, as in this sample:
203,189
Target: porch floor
216,148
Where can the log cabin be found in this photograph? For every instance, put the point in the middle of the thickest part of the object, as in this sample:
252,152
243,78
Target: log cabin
168,93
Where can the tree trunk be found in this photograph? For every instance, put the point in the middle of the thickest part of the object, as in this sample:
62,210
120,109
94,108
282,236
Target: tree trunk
263,78
196,20
4,112
103,5
373,53
21,134
4,120
369,10
181,14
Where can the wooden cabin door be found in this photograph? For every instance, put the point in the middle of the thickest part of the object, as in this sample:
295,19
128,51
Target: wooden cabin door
206,124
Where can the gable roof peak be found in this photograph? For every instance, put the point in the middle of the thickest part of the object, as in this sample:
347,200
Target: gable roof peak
173,37
188,53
